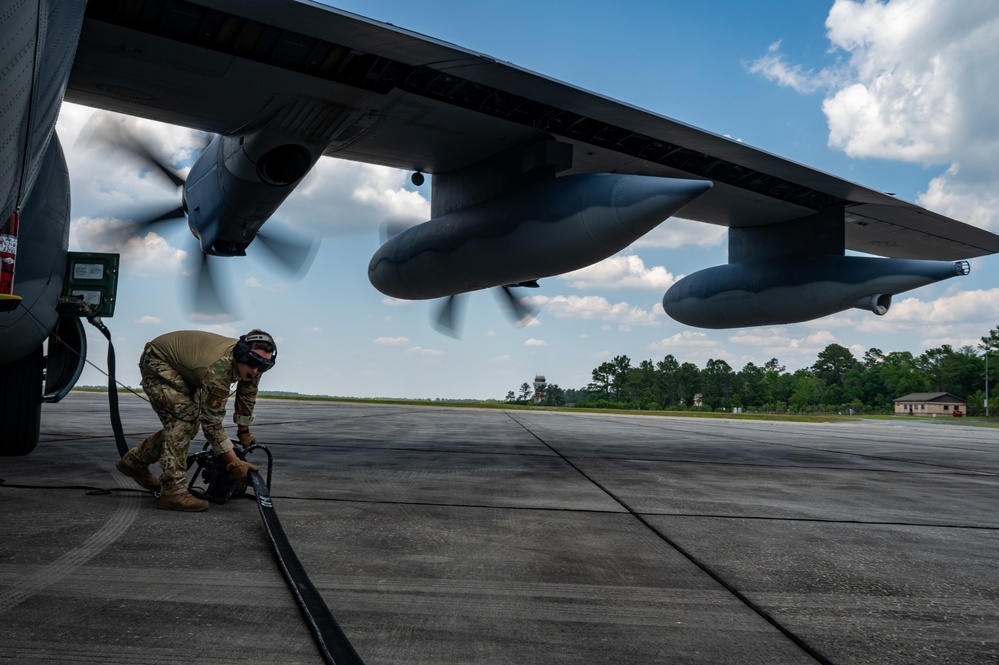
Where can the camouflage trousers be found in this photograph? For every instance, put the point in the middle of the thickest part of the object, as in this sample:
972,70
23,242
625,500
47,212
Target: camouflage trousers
178,406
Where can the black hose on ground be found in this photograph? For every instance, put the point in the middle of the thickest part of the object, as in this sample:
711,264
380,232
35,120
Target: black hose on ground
119,435
333,644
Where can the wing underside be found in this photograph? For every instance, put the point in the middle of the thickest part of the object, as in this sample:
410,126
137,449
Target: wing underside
387,96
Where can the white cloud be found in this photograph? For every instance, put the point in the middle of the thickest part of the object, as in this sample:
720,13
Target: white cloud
676,232
382,188
957,318
392,341
969,201
149,254
621,272
396,302
848,318
918,85
113,185
221,318
149,319
225,329
916,69
84,131
535,342
594,308
686,340
858,350
761,336
817,340
780,343
980,306
359,199
774,66
256,283
107,178
421,351
954,341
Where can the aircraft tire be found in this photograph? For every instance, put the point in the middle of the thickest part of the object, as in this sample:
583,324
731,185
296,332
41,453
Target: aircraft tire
21,404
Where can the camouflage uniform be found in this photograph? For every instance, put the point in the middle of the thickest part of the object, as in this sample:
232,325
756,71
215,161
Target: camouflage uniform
187,376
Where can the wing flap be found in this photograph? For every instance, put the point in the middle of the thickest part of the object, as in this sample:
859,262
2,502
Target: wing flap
908,232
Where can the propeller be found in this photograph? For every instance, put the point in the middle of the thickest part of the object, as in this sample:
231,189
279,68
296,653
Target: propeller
290,253
516,307
447,318
208,289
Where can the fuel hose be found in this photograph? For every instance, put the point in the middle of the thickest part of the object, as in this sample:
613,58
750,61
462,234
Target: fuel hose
329,637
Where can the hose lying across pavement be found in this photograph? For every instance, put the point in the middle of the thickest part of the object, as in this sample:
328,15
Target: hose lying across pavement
330,638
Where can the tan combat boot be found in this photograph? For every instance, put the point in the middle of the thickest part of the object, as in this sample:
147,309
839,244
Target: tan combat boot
181,500
137,471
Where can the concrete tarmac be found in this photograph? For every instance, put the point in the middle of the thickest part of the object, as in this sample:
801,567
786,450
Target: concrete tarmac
445,535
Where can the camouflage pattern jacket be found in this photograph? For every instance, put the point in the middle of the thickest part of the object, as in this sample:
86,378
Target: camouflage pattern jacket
205,360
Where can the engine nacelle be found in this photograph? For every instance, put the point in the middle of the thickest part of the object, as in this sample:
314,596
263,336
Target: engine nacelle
239,181
546,229
761,293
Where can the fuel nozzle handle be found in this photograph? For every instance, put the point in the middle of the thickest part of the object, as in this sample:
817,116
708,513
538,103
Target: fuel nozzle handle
77,306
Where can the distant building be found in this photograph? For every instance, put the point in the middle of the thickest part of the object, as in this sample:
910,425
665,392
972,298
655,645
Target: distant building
929,404
539,388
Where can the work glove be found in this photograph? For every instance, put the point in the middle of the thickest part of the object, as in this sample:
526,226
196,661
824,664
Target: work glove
240,470
246,439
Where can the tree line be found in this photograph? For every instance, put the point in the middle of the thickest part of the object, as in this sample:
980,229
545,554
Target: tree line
836,382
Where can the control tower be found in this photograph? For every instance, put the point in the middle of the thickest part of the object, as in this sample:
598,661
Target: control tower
539,388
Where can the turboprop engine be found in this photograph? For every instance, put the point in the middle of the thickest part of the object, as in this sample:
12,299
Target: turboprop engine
238,183
775,291
232,189
546,229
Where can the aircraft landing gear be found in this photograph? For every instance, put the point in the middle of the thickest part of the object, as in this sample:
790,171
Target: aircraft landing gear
21,404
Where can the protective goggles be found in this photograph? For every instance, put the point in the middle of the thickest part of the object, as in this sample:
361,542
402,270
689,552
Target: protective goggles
253,361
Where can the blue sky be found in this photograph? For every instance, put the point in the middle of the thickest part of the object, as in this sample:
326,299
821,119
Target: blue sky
897,96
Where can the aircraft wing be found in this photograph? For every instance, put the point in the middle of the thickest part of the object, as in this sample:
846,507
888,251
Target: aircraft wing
397,98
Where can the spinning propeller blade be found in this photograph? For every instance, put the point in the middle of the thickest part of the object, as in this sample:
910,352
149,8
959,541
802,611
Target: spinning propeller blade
292,254
110,133
520,311
446,320
208,289
209,296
